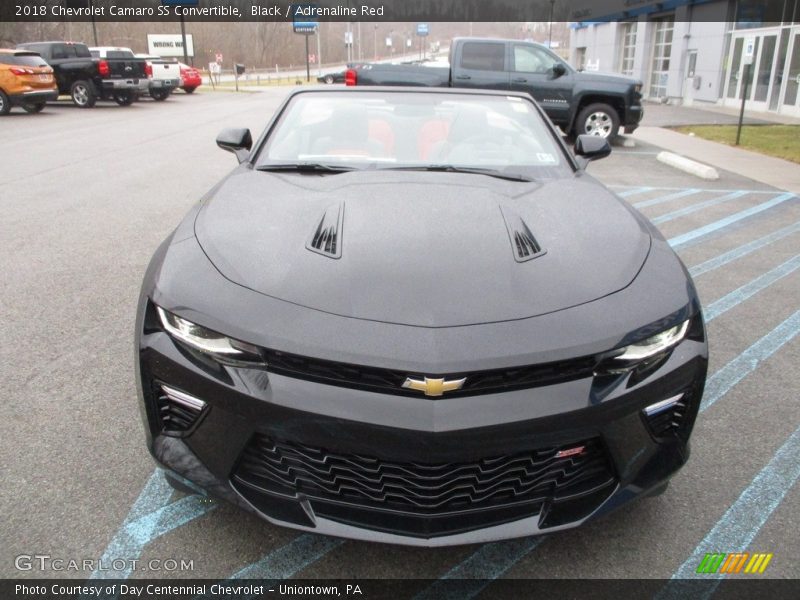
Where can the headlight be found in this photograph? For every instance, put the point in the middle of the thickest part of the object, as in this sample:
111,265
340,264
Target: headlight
640,352
223,348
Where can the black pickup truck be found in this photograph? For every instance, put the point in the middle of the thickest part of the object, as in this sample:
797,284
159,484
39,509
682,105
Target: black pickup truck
87,79
578,102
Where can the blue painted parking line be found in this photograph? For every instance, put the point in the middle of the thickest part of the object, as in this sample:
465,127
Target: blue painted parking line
741,294
668,188
682,212
150,517
740,367
488,563
284,562
667,198
694,236
638,190
740,524
744,250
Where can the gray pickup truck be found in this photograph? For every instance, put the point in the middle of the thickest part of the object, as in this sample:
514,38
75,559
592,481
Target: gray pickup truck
118,76
578,102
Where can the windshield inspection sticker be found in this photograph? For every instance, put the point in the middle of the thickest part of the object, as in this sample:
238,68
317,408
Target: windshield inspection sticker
544,157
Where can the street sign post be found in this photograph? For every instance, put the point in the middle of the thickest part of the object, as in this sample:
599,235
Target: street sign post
747,61
183,24
304,27
422,32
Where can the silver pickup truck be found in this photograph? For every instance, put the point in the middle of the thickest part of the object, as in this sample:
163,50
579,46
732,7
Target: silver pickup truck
164,75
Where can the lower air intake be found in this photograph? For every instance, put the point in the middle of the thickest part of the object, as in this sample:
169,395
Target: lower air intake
178,411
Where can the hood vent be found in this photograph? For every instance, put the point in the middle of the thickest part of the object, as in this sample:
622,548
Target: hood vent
327,237
523,244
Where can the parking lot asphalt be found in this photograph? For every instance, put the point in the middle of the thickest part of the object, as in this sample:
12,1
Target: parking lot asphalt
87,196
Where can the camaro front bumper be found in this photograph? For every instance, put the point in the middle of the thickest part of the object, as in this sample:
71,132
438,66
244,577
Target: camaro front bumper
284,442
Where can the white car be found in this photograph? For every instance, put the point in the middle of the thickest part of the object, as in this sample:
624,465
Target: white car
164,75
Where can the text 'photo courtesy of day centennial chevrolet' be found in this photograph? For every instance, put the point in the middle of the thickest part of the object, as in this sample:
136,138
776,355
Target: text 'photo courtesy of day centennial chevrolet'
410,316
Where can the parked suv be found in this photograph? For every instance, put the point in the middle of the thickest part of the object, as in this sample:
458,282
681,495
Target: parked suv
117,76
26,80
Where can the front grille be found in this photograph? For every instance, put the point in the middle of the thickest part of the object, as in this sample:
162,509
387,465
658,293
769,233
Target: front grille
388,381
530,481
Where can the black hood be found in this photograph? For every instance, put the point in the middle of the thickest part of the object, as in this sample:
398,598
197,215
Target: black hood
424,249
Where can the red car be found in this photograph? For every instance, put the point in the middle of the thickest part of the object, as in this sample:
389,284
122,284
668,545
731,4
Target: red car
190,78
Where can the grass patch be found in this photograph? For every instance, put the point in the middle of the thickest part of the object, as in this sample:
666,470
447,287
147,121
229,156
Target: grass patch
781,141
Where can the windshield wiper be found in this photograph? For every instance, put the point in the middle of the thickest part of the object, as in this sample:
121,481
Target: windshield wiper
306,168
471,170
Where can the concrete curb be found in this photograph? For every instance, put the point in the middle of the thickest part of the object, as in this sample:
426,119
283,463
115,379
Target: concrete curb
688,165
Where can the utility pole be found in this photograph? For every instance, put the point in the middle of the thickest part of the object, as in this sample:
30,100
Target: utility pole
550,33
94,25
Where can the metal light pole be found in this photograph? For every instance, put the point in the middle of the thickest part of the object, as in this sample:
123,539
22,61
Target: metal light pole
183,37
550,33
94,25
375,43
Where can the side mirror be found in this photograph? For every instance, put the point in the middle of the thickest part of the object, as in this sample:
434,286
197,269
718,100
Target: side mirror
559,69
591,147
238,141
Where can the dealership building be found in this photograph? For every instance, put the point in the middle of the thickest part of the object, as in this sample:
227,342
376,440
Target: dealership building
697,51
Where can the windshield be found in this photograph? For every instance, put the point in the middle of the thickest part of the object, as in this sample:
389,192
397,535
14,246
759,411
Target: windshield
392,130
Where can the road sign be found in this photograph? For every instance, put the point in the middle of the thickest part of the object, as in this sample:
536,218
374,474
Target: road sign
749,50
388,42
312,58
348,38
422,29
305,27
300,22
219,58
169,45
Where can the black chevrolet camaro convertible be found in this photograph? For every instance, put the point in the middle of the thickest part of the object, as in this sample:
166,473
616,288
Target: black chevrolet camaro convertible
410,316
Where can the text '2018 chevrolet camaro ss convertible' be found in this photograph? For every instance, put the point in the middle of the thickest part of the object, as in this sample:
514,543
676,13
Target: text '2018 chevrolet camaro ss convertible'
410,316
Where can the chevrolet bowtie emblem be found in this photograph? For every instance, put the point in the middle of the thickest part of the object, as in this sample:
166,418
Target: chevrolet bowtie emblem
434,387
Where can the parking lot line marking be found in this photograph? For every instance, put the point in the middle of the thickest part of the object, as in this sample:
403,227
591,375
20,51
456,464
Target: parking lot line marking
693,236
485,565
740,524
744,250
638,190
744,292
740,367
687,210
667,198
285,561
710,190
149,518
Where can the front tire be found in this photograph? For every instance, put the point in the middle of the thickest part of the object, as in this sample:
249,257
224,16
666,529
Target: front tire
83,94
33,108
124,98
5,103
598,119
159,95
189,90
328,79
